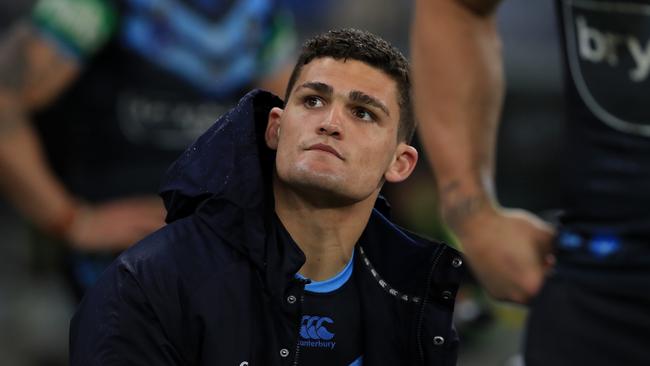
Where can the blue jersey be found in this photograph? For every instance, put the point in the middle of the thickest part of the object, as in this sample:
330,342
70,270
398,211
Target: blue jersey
156,74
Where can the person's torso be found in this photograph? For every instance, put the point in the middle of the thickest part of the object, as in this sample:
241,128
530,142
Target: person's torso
330,324
170,68
229,311
606,46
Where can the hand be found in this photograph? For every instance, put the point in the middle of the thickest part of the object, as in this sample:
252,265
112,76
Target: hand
115,225
509,250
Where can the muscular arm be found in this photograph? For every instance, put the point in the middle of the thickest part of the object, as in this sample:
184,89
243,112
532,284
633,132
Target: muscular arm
459,91
459,88
32,74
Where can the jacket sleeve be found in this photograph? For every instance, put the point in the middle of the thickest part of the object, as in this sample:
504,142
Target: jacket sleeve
116,324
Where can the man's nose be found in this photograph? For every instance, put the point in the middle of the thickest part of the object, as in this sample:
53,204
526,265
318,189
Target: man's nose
332,125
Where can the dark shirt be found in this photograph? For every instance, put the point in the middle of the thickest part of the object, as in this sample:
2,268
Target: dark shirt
330,326
607,82
330,329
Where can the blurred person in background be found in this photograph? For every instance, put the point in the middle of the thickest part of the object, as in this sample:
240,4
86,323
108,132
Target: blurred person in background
586,279
97,97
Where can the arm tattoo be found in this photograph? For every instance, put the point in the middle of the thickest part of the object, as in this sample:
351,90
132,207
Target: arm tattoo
32,72
462,207
14,60
13,70
29,64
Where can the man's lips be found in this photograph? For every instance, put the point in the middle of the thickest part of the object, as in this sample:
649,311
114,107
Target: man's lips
326,148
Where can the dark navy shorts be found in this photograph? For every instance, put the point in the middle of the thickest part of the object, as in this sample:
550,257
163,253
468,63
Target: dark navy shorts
593,310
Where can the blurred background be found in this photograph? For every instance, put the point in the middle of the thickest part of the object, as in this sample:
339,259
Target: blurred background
36,302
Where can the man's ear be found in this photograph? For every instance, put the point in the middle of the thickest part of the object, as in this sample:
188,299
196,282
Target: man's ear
406,156
272,133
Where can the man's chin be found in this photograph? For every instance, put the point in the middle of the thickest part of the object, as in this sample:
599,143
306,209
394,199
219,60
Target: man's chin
322,190
323,183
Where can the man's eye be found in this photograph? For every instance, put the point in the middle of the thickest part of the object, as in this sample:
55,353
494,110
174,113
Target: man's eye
313,102
363,114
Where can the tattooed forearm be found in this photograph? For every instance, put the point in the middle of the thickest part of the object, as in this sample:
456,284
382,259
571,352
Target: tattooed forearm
13,69
14,60
459,207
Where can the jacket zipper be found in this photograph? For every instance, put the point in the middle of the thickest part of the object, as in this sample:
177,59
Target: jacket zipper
424,302
295,359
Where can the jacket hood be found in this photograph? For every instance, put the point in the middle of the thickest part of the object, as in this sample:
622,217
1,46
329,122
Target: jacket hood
229,160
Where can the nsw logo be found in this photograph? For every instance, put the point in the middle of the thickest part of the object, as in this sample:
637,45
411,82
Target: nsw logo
608,47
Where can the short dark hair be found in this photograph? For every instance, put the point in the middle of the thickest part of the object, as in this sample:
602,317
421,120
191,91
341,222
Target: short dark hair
371,49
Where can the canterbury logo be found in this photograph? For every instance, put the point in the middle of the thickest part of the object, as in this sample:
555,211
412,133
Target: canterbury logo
313,327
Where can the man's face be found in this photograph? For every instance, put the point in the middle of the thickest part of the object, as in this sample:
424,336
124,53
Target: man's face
337,136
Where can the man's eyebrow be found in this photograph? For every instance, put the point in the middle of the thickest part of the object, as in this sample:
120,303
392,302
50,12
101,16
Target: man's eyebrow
363,98
319,87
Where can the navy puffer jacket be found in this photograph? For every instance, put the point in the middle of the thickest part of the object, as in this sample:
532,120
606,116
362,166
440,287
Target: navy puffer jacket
214,286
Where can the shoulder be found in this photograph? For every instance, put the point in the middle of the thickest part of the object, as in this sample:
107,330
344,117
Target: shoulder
153,288
185,253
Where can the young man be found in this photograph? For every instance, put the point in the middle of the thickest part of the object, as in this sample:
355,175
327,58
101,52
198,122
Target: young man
592,307
278,250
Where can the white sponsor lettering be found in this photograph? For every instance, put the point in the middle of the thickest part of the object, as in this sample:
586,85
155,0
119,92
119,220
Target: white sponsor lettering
168,124
641,58
614,34
596,46
600,46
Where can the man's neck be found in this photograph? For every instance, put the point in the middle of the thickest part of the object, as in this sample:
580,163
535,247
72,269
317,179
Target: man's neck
327,235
